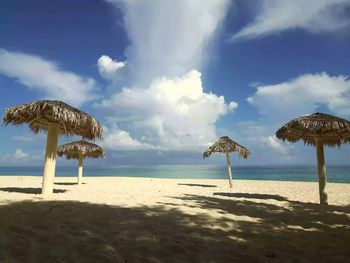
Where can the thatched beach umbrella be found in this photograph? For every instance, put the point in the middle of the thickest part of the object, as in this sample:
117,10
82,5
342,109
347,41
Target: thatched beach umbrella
317,129
226,145
56,118
80,150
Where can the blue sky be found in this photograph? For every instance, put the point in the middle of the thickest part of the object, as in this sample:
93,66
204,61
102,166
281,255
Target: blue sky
167,78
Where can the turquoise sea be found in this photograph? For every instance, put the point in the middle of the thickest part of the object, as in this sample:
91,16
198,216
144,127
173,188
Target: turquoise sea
339,174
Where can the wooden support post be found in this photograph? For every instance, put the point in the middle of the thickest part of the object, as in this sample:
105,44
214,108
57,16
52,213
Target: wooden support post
321,169
229,168
80,169
50,159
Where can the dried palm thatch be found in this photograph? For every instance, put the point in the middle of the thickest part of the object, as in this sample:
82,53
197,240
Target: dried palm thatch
333,131
80,150
317,129
227,145
40,113
56,118
86,149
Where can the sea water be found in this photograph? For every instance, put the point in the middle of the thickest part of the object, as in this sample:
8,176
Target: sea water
337,174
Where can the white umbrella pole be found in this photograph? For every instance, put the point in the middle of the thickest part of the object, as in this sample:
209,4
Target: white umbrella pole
50,159
80,169
321,169
229,168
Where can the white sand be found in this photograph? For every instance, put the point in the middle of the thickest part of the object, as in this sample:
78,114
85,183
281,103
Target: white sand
111,219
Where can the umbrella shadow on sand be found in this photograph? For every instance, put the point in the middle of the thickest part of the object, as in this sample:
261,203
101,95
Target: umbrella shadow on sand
68,231
67,183
28,190
300,232
253,196
304,215
199,185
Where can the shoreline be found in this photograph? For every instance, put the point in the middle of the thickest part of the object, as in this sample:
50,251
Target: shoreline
172,178
293,174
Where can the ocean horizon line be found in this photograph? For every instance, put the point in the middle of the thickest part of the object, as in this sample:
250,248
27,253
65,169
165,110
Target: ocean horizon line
168,165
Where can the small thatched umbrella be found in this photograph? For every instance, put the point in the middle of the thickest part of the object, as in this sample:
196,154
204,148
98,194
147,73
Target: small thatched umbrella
80,150
317,129
56,118
226,145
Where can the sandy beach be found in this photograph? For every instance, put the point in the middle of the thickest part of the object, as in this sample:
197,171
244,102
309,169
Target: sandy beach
120,219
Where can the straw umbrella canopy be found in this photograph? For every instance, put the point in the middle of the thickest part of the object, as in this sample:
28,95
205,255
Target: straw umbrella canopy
80,150
56,118
227,145
317,129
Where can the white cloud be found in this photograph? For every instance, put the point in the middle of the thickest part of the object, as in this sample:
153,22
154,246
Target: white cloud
163,103
303,95
45,76
21,157
172,114
169,38
19,154
119,140
108,68
311,15
275,144
24,138
287,100
258,136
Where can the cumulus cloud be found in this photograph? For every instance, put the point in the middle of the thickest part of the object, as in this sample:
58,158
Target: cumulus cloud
172,114
108,68
120,140
259,137
169,38
46,76
312,15
22,157
302,95
273,143
19,154
163,105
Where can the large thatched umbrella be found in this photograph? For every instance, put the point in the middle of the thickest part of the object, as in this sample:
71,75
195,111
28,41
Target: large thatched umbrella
56,118
226,145
80,150
317,129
